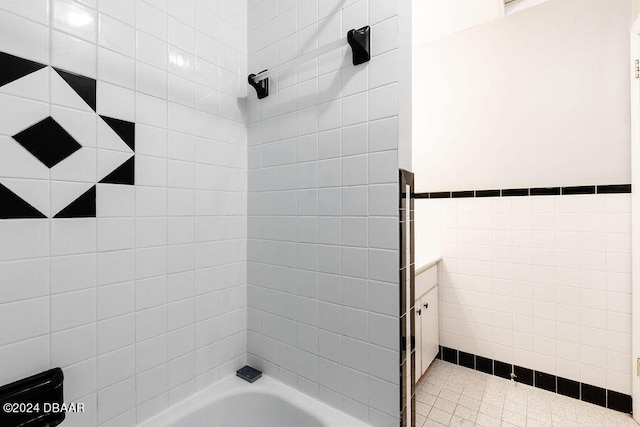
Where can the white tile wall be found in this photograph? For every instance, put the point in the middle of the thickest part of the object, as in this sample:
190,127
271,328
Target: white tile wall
145,304
322,205
542,282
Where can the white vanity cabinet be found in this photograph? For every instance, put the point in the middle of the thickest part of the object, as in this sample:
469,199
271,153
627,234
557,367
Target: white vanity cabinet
426,318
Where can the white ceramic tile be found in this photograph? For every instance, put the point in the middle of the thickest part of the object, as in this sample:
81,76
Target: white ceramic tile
115,68
115,333
73,309
124,10
75,19
114,101
116,366
73,54
33,86
35,10
116,35
115,267
115,300
151,50
23,38
73,345
116,399
26,357
24,319
151,20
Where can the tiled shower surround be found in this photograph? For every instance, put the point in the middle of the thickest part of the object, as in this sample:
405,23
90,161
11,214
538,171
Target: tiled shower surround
137,291
541,282
323,206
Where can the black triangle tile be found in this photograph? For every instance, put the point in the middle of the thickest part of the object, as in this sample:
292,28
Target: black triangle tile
82,207
48,142
13,68
13,206
124,129
123,174
83,86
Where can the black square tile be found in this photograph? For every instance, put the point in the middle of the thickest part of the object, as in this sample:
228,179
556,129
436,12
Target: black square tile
523,375
450,355
613,189
569,388
511,192
619,402
467,360
593,394
501,369
462,194
545,191
487,193
545,381
484,365
583,189
440,195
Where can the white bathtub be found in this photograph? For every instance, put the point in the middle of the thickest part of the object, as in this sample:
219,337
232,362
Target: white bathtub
233,402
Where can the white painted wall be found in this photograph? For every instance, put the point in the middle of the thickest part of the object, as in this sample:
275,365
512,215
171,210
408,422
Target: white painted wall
433,19
538,98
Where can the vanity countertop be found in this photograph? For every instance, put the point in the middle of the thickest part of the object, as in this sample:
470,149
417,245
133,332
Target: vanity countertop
431,261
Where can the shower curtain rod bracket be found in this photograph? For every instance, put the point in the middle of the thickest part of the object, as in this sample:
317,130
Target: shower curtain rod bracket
360,43
359,40
261,87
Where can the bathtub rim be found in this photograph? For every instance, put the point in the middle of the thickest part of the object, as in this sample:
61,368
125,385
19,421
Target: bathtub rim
232,385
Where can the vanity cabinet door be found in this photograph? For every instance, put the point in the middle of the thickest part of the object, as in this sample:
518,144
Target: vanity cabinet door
418,337
429,328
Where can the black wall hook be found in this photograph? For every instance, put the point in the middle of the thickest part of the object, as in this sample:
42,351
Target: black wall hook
261,87
360,42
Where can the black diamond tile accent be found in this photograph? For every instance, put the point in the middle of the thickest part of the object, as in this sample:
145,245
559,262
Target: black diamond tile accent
545,381
501,369
619,402
48,142
523,375
85,87
13,68
484,364
569,387
83,207
123,174
125,130
593,394
13,206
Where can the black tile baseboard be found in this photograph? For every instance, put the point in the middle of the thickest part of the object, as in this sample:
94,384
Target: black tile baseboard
537,191
564,386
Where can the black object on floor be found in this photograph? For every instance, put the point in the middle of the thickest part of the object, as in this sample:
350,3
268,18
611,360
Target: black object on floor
248,373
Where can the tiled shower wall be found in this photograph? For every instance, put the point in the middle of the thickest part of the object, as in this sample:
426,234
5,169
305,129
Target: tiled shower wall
542,282
144,303
323,206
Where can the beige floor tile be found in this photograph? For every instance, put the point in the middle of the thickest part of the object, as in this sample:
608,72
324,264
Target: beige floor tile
440,416
465,413
485,420
456,396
